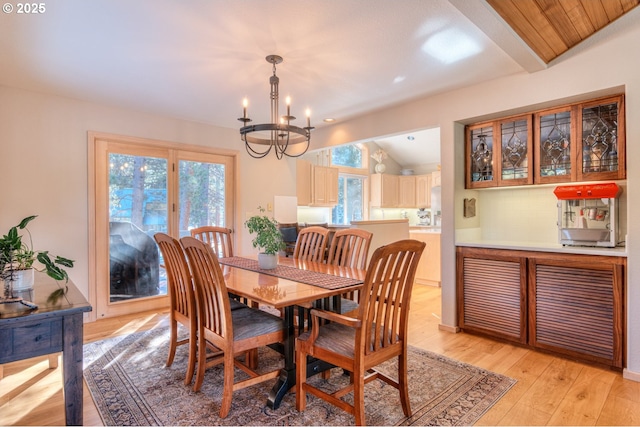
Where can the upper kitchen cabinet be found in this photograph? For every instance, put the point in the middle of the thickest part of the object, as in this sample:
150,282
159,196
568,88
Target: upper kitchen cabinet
480,155
581,142
555,145
423,191
316,185
498,153
406,191
384,191
600,125
516,147
571,143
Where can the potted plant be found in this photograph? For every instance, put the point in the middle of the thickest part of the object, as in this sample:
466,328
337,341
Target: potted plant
17,259
268,238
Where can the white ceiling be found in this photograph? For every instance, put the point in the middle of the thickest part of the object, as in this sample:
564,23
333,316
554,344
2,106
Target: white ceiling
197,59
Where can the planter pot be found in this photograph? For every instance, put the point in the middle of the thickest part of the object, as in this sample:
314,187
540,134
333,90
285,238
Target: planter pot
23,279
267,261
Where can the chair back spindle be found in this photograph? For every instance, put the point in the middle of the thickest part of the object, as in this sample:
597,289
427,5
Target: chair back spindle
311,244
219,238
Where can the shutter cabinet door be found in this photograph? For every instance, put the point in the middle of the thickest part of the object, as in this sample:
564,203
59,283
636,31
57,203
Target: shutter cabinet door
577,309
492,295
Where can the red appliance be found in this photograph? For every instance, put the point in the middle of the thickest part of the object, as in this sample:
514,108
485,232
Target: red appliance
588,214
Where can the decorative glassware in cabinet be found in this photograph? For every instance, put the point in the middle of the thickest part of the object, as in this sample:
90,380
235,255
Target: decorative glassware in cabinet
480,155
554,146
602,141
515,151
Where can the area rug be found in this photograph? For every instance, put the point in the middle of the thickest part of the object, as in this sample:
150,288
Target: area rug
130,385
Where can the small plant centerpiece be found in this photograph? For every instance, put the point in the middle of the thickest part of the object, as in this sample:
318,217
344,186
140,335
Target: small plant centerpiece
17,259
267,238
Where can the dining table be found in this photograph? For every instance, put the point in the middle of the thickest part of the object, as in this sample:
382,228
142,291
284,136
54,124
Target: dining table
291,288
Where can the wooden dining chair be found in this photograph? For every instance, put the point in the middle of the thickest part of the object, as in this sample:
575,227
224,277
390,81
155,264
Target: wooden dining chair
311,244
219,328
182,301
377,333
219,238
350,248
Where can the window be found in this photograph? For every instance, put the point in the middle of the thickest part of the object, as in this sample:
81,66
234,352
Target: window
352,160
142,187
347,155
350,199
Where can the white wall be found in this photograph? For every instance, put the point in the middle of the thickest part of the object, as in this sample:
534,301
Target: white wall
607,66
43,167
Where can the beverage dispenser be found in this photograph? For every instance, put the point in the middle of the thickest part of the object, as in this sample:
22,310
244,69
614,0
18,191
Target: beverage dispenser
588,214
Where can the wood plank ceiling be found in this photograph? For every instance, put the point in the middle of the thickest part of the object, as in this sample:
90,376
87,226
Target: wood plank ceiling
551,27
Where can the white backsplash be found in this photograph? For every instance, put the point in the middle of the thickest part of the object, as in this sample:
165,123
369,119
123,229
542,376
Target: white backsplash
525,214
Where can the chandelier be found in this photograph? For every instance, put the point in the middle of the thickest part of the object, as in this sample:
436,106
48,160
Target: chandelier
280,134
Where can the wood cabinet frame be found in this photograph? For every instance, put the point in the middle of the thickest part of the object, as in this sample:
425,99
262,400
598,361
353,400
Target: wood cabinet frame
552,322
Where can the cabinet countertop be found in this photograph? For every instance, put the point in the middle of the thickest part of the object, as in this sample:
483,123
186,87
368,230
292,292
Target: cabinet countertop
619,251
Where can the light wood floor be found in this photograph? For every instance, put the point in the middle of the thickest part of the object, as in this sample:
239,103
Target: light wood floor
550,390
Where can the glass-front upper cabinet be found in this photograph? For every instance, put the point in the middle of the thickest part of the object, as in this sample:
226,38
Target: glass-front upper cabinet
516,147
480,156
498,153
555,146
600,124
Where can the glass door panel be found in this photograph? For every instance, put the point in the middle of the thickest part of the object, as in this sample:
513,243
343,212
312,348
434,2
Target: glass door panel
138,203
515,151
203,195
554,146
480,156
600,138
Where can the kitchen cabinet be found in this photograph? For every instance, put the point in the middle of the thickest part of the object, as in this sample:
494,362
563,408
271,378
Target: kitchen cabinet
436,179
384,191
570,143
423,191
600,126
499,153
428,271
581,142
564,303
316,185
406,191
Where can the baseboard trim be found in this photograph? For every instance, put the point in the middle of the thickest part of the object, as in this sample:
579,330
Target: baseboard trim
630,375
447,328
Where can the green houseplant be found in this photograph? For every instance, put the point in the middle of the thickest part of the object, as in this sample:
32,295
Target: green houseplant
267,238
18,256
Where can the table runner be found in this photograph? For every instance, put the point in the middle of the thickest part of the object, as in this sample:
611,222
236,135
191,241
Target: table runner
323,280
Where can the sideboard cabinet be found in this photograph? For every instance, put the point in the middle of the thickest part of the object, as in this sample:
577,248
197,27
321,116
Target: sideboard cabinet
563,303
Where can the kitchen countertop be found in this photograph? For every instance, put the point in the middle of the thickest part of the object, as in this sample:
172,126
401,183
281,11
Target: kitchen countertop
620,251
424,230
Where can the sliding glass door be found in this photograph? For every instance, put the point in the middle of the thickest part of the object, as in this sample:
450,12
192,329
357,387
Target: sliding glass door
142,189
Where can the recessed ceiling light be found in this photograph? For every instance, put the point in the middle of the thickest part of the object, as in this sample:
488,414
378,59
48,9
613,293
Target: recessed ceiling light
410,137
399,79
329,120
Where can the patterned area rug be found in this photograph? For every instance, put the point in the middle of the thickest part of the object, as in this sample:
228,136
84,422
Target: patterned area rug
131,386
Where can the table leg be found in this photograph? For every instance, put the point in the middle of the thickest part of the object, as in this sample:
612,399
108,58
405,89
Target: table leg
72,368
287,378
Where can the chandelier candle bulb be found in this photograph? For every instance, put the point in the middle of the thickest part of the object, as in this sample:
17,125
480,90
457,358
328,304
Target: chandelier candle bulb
308,118
245,104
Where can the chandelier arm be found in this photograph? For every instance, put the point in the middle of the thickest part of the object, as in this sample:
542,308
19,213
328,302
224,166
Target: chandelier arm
253,153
